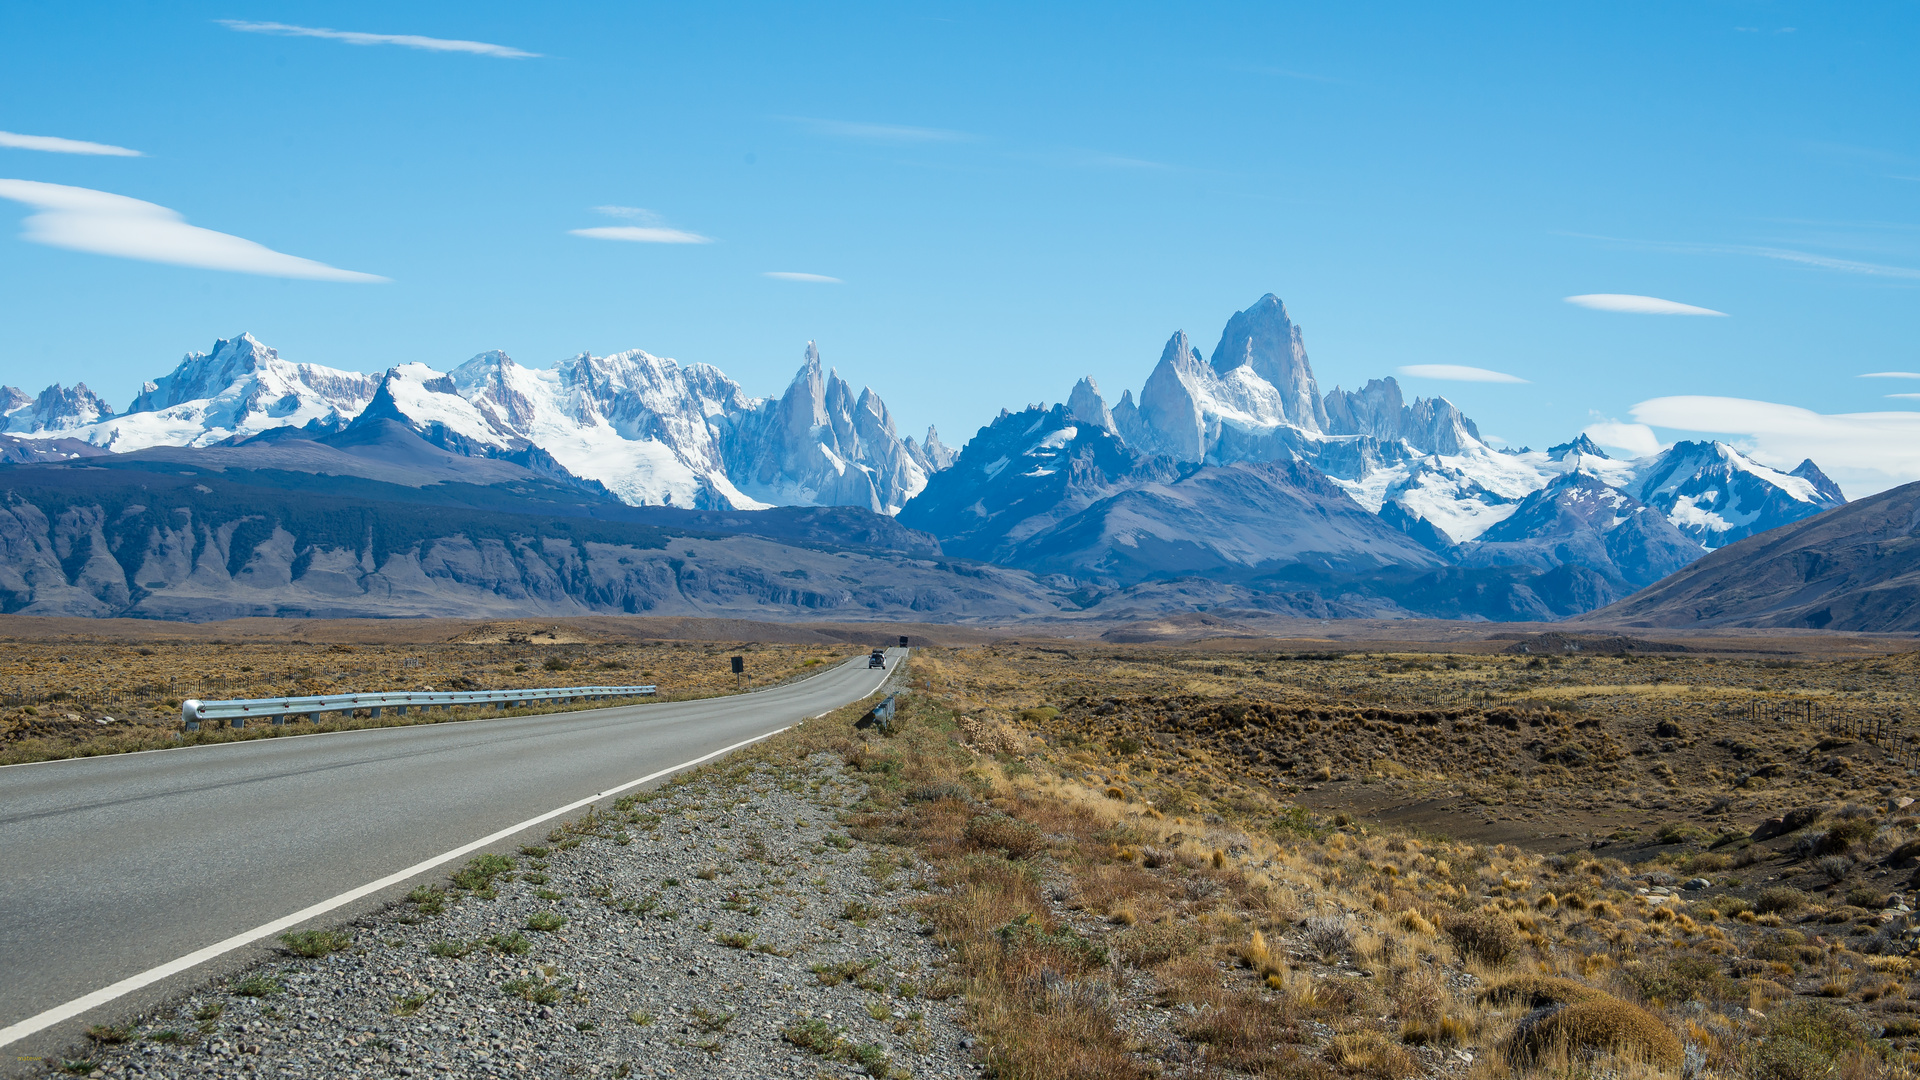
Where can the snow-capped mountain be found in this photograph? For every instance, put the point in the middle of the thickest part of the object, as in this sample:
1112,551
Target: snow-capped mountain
238,389
817,444
1579,518
1717,495
649,429
1421,468
1052,492
1233,465
56,409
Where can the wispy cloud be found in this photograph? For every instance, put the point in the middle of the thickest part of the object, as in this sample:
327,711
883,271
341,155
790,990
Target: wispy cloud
1908,397
642,234
1631,304
82,219
355,37
1890,375
55,145
790,275
1828,262
886,133
1781,254
652,229
1458,373
1864,452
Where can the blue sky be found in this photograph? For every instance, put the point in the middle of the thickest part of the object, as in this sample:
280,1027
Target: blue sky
1009,198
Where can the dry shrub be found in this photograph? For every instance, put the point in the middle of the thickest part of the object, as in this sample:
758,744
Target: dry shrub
1446,1031
1188,980
1151,946
1603,1023
1107,887
1071,1042
1415,922
1841,838
1419,995
1330,936
1780,900
1807,1040
998,832
1535,991
1486,936
1368,1053
992,736
1246,1032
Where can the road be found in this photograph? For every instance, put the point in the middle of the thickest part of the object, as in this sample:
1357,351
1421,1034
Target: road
115,866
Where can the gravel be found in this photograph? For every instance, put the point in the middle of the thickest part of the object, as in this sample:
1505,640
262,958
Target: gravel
702,928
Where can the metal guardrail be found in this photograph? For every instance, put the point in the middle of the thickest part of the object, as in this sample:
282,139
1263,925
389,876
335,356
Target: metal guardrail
236,713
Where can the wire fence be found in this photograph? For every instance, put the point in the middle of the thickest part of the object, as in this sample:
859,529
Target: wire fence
1886,732
76,700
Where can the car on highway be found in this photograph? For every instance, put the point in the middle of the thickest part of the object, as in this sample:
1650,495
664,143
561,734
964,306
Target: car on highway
877,660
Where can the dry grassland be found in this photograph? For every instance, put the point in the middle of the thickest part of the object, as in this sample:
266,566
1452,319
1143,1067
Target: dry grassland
1178,863
77,694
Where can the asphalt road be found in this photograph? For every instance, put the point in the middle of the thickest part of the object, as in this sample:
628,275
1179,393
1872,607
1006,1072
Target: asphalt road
112,866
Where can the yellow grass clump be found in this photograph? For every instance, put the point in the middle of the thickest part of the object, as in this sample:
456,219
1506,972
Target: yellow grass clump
1603,1023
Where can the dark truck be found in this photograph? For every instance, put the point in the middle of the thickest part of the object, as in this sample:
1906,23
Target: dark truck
878,659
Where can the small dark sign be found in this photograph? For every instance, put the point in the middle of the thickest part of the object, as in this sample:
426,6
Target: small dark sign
739,664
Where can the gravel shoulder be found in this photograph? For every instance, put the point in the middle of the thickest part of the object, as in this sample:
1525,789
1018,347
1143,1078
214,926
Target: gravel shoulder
725,925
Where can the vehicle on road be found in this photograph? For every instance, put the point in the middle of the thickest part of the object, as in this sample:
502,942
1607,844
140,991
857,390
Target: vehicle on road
878,659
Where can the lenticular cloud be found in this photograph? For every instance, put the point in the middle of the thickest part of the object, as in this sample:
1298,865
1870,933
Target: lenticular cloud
1458,373
1631,304
100,222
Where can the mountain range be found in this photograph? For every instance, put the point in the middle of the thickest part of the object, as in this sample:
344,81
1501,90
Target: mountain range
1233,468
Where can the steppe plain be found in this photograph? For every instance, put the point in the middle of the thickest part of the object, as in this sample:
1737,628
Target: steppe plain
1355,854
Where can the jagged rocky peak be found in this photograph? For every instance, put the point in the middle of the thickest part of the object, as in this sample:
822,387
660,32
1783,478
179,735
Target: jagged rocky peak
1375,409
1088,407
203,375
254,378
819,444
1717,495
1432,425
1581,445
495,384
1170,418
1263,338
933,455
58,408
1811,473
1437,426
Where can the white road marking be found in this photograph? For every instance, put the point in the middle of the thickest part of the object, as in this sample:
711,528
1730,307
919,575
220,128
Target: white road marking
15,1032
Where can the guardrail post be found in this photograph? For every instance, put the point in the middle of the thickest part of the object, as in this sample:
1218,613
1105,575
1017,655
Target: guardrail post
279,719
373,713
237,722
